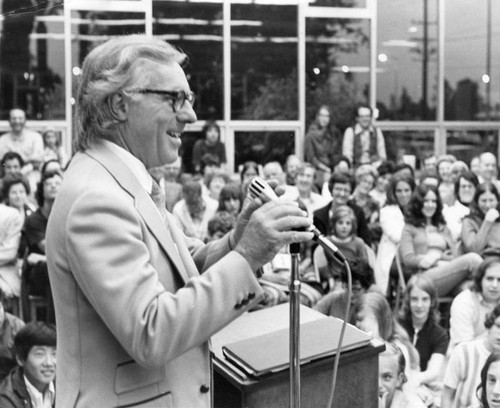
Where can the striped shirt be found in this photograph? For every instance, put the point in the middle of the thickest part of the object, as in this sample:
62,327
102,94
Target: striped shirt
463,371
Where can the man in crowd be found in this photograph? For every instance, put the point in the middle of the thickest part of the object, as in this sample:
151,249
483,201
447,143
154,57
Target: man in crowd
364,143
488,168
136,300
292,165
28,143
340,186
31,383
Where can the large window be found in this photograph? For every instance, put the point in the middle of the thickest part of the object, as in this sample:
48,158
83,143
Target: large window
407,59
337,67
472,60
264,61
32,59
196,28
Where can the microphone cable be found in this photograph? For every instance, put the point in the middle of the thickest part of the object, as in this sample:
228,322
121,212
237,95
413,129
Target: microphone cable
341,337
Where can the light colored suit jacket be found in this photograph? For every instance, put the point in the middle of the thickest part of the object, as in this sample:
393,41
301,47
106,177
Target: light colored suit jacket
133,314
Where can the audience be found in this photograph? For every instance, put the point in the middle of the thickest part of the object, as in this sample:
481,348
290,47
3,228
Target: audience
220,224
446,183
52,148
215,182
469,308
481,228
488,168
230,199
292,165
382,182
11,163
31,383
462,375
427,246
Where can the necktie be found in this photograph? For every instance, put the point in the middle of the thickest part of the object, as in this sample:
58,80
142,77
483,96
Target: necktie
159,199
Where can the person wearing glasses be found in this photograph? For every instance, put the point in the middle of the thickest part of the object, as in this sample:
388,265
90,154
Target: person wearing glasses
136,300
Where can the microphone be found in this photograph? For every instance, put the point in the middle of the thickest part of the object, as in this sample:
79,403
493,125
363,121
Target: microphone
259,188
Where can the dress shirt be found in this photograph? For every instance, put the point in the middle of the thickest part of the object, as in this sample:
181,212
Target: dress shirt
39,400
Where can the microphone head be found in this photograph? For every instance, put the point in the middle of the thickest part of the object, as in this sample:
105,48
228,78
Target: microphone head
260,189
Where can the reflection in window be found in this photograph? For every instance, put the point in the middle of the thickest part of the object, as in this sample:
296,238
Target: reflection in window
466,144
337,67
407,59
196,28
264,61
32,59
401,143
472,63
263,147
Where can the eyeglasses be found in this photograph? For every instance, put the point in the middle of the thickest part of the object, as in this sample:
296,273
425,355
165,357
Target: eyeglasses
177,99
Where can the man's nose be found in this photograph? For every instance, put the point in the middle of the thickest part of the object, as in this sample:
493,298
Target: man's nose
186,114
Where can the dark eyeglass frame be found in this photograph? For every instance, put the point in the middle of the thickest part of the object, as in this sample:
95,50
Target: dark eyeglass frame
177,98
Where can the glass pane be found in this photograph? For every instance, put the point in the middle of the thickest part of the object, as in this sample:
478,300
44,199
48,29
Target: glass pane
407,59
466,144
472,61
264,61
337,67
32,59
401,143
338,3
263,147
196,28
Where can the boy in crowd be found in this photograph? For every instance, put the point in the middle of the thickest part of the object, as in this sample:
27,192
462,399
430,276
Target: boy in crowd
31,383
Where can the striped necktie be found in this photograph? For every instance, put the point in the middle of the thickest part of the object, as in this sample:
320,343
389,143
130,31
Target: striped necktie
159,199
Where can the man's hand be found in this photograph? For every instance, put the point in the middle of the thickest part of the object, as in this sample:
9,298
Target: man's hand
269,228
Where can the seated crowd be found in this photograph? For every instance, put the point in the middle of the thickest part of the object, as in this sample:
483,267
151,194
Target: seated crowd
424,253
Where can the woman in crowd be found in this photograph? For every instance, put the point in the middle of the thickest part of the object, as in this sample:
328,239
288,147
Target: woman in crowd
209,144
419,316
488,391
465,187
248,171
52,147
372,314
322,140
15,191
382,183
365,180
481,228
427,246
215,182
230,199
392,223
469,308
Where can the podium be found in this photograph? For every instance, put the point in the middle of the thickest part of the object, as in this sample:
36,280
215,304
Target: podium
357,378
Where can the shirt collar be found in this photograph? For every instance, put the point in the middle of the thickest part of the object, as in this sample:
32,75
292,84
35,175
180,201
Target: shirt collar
37,397
134,164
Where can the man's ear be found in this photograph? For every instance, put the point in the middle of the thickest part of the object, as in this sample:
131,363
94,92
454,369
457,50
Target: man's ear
118,106
20,361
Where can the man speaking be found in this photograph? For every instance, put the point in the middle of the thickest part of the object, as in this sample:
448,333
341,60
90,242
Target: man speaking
137,301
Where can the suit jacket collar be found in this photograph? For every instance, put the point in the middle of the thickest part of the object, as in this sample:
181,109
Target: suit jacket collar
143,202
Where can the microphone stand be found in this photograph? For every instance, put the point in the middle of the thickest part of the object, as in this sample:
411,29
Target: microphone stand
294,327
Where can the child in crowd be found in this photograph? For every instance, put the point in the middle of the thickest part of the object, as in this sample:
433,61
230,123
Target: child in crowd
391,377
343,228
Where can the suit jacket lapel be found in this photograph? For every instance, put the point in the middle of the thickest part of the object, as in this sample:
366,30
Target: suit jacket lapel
143,203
